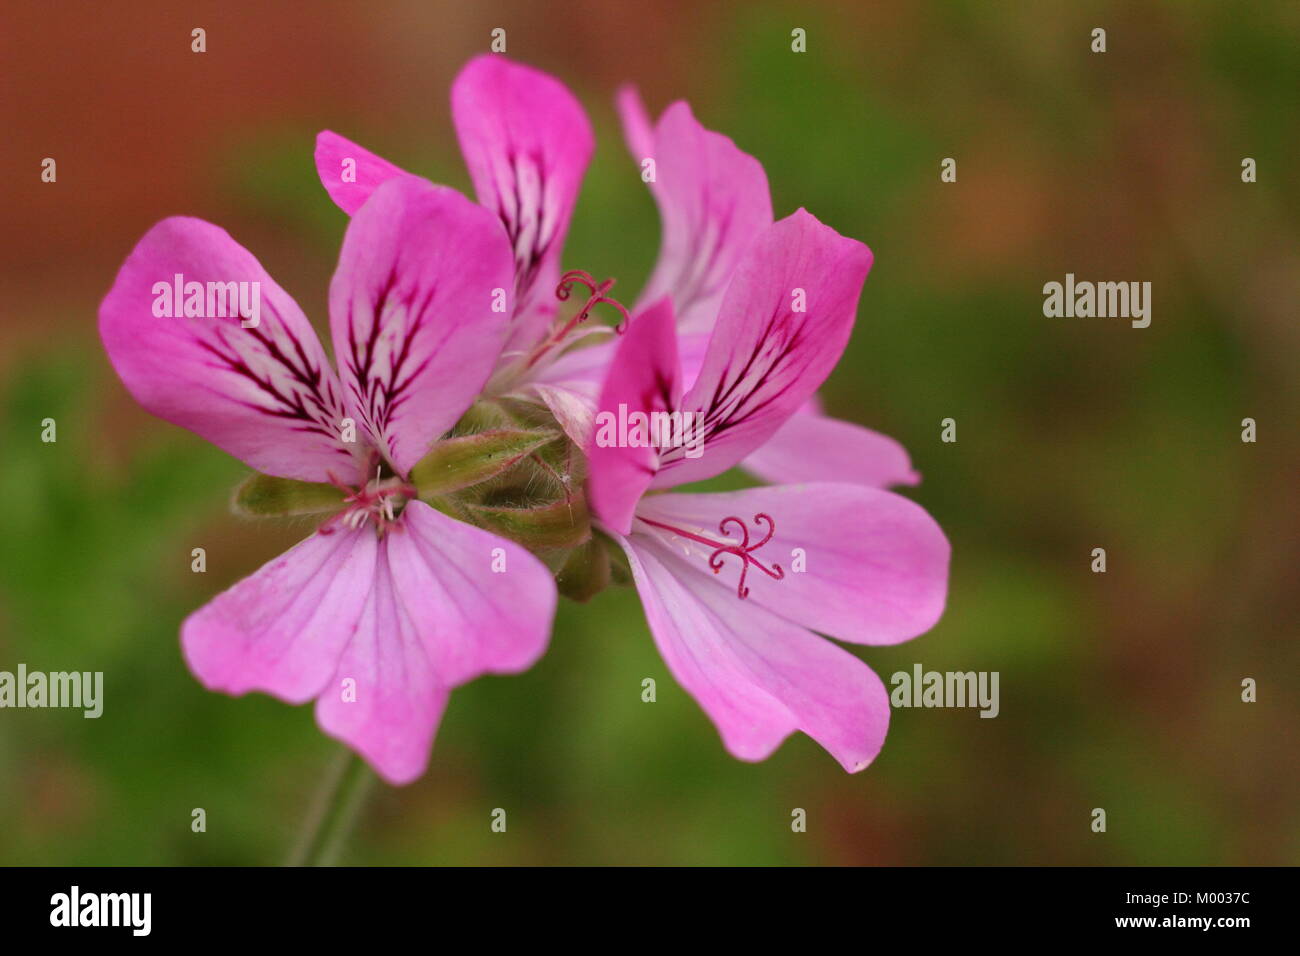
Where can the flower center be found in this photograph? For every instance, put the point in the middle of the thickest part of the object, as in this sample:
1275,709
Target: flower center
380,500
741,549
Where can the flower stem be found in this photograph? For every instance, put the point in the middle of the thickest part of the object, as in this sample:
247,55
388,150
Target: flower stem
334,812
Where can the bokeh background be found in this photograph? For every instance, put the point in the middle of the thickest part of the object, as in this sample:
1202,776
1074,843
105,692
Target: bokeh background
1119,690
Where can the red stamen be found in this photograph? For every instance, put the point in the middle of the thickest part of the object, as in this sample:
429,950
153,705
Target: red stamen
742,550
370,501
598,293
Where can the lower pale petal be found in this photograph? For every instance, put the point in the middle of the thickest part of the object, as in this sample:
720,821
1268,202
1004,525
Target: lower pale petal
488,602
757,676
385,699
450,603
857,563
282,629
813,447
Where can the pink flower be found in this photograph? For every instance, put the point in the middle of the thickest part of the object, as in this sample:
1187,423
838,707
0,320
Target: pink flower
713,200
527,142
734,584
389,604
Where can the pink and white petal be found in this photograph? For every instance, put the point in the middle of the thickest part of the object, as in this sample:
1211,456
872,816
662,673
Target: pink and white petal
860,564
813,406
638,130
643,378
485,604
573,408
580,368
266,393
782,326
758,676
570,387
411,312
812,447
526,141
713,201
282,629
438,617
350,173
385,700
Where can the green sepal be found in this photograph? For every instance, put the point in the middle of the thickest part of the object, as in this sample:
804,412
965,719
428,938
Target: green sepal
620,571
556,524
586,572
466,460
262,496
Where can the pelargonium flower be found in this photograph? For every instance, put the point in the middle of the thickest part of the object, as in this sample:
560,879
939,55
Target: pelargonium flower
713,200
389,603
734,585
527,143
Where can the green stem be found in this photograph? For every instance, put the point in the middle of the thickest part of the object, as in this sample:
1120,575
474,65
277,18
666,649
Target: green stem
334,812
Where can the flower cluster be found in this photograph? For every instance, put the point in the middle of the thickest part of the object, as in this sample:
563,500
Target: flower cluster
451,453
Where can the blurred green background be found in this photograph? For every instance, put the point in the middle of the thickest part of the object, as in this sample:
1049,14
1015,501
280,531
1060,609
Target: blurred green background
1119,690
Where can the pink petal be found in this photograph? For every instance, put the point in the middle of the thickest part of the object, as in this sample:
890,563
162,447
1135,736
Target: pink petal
385,700
438,616
875,564
411,311
713,201
350,173
265,394
812,447
757,676
692,348
481,620
571,386
574,408
642,378
281,630
638,130
765,359
526,142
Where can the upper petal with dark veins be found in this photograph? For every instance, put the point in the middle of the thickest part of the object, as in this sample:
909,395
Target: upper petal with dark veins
419,306
526,141
782,326
265,393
